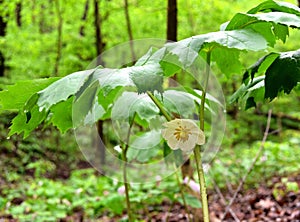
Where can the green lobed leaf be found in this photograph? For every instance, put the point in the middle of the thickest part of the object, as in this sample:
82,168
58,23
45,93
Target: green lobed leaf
227,66
283,74
260,66
178,103
243,92
84,103
275,6
18,94
61,115
242,20
281,31
27,121
148,77
130,103
145,146
235,39
271,25
187,50
62,89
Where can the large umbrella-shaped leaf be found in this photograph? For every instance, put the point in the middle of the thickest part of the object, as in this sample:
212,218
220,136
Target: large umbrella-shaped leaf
271,25
277,6
15,96
224,43
282,74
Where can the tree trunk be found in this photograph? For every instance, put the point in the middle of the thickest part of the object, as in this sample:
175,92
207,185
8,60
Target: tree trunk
129,30
186,168
18,14
172,20
172,30
99,49
84,17
2,33
42,25
298,3
59,37
98,34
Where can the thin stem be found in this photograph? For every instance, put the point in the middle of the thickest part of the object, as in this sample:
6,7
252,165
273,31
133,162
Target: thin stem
241,184
167,116
159,105
202,105
124,158
197,151
202,183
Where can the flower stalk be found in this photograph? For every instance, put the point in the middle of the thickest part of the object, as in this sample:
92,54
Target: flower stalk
197,151
124,158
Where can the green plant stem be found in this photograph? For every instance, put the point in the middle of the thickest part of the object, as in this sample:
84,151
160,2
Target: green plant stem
159,105
124,158
166,115
202,183
197,150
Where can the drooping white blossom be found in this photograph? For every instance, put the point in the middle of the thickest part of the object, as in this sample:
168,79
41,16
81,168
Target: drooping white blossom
182,134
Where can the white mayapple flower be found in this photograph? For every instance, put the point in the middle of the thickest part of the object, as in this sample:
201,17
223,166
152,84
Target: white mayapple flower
183,134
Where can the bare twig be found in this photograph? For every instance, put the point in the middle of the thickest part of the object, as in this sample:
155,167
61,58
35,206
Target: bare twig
252,165
223,200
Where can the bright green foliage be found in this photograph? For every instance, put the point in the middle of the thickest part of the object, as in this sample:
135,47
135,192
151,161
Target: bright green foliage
27,121
272,24
250,93
148,77
145,146
282,74
259,67
130,104
271,5
69,85
15,97
61,115
94,91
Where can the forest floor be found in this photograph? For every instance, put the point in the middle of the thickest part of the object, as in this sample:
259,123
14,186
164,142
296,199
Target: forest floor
265,203
278,202
276,199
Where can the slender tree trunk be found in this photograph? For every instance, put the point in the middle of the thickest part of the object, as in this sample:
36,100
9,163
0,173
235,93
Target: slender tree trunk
99,49
299,3
129,29
18,14
172,20
59,37
186,168
172,29
84,17
98,34
2,33
42,25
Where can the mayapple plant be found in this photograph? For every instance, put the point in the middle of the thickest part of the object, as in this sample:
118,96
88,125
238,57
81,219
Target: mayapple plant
90,95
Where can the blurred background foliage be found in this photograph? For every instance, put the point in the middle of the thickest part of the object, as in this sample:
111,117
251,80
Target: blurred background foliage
49,161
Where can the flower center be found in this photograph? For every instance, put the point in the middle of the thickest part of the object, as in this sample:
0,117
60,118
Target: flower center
182,133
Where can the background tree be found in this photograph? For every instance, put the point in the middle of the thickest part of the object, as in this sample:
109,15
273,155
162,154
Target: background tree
2,34
99,49
19,14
